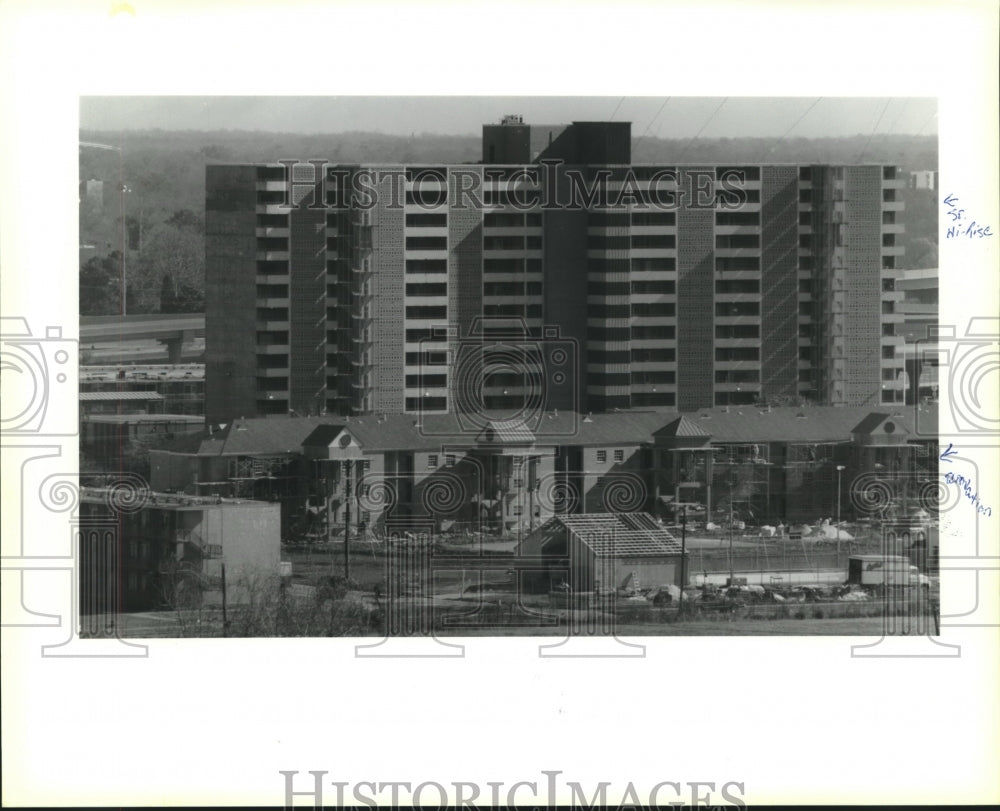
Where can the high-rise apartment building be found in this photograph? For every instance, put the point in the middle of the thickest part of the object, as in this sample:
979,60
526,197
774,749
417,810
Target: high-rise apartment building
555,274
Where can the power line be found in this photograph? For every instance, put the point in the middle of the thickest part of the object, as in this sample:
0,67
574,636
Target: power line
797,122
703,128
617,108
652,121
872,135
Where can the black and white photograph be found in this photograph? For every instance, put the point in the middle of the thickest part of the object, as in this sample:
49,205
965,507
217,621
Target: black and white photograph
494,405
594,376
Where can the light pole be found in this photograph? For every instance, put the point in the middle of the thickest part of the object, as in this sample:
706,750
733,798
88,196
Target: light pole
840,469
680,599
732,576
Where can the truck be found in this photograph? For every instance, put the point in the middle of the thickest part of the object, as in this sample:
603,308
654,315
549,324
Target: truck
881,571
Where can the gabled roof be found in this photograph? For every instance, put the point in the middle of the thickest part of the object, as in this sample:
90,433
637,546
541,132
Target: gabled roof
322,435
620,534
504,432
683,427
870,424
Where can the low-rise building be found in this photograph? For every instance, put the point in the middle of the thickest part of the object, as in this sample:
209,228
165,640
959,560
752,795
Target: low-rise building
161,550
763,464
602,552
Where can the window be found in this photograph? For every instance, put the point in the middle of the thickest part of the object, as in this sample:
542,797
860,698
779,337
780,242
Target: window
888,352
602,457
737,218
503,220
503,265
426,265
888,285
660,263
737,308
737,353
653,241
653,310
426,243
619,455
429,289
730,286
427,197
431,381
724,263
664,332
888,307
449,460
605,242
427,220
725,331
426,312
432,461
607,219
888,329
649,218
655,287
534,243
506,243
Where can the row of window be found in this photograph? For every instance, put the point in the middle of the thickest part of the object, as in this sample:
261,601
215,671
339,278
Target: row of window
602,456
664,355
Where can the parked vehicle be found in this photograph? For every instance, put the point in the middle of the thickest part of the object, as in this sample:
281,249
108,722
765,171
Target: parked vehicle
884,571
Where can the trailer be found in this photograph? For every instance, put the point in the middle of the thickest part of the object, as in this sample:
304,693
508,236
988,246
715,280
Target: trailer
884,571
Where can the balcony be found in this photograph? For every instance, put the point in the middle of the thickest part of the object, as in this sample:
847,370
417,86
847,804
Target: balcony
273,256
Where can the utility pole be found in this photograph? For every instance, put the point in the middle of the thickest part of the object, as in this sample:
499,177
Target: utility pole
840,469
732,575
347,519
680,600
225,618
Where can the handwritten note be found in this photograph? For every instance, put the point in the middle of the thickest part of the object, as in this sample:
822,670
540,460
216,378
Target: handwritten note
964,483
961,224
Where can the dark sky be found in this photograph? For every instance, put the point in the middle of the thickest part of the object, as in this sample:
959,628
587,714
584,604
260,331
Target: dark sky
673,117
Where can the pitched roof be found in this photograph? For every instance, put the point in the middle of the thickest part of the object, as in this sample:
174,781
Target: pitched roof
621,534
323,435
808,424
377,433
104,396
683,427
877,418
506,431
